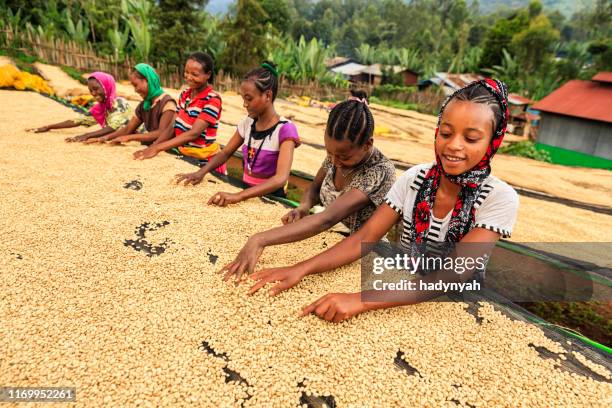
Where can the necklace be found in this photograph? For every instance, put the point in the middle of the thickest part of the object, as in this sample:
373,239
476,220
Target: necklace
252,153
352,170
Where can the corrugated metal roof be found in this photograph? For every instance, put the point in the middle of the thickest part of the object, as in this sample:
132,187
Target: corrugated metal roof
516,99
352,68
377,69
581,99
336,61
603,77
373,69
457,81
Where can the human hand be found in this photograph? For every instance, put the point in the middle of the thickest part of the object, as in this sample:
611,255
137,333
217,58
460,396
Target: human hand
144,154
336,307
189,178
120,140
245,260
41,129
222,199
79,138
287,277
294,215
95,140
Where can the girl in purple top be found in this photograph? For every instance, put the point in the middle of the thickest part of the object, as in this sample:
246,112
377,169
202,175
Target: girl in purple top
267,141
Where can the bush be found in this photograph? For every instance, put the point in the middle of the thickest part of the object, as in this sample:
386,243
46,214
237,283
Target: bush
526,149
394,104
390,88
74,74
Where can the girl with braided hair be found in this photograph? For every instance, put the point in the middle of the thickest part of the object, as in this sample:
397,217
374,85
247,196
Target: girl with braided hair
352,181
267,141
455,199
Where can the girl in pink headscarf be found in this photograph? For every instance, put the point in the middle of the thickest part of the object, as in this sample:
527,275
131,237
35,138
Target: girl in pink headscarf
110,111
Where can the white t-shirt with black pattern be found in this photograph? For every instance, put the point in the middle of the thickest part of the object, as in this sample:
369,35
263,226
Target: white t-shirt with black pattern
496,206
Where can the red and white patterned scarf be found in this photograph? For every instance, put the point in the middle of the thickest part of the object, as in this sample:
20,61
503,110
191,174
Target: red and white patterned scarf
462,218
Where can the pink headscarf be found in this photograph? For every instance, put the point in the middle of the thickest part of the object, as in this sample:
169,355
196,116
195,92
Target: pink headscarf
98,111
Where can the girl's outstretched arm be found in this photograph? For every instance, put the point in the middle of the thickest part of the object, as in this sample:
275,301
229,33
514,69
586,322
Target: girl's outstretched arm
344,252
96,133
220,158
163,133
283,168
131,127
335,307
345,205
198,127
60,125
310,198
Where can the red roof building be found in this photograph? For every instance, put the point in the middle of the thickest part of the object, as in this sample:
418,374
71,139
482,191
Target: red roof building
576,122
582,99
603,77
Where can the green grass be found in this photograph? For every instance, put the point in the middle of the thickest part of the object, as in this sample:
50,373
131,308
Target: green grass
591,319
394,104
293,193
74,74
526,149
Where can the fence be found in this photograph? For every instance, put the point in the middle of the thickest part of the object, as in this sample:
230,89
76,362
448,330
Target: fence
83,57
225,82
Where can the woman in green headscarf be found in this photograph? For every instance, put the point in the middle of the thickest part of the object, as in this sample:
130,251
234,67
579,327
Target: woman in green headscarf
155,112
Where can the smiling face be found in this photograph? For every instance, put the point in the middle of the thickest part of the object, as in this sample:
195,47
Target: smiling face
344,153
141,86
96,90
254,101
196,75
465,132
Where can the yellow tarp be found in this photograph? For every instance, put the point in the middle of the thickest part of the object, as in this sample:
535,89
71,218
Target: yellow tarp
12,77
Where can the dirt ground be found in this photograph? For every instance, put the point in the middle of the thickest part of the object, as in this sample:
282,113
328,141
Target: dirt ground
83,305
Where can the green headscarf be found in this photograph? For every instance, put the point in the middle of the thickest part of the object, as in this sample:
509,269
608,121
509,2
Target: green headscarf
152,78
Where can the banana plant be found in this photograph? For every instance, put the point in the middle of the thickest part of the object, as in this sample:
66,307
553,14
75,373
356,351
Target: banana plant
13,21
118,40
302,61
468,62
142,8
78,32
409,58
137,17
366,54
39,31
141,38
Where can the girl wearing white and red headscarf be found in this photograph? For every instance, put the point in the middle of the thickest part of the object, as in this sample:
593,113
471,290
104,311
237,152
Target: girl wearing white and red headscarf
438,205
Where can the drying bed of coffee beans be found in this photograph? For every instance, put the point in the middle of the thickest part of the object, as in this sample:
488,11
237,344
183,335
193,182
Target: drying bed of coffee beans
110,285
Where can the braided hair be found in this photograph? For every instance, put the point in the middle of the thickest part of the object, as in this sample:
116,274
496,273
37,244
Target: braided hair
264,78
351,119
480,94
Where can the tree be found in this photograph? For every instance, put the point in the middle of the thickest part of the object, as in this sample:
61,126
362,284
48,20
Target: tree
533,44
278,14
181,30
500,36
535,8
245,38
